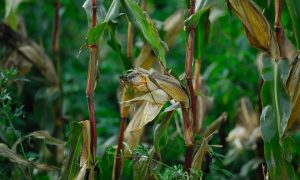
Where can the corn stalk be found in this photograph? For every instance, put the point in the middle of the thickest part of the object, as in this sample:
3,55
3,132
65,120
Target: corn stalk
90,84
189,76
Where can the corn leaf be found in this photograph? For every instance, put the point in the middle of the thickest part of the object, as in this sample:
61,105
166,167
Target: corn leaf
11,7
274,117
202,7
85,155
113,11
294,10
161,128
44,135
75,142
215,125
15,158
201,35
133,138
116,46
199,156
293,86
95,33
144,24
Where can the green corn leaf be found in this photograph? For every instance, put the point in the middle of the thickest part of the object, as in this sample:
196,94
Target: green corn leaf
274,96
274,118
106,163
201,35
294,10
115,45
144,24
95,33
202,7
73,163
113,11
11,7
161,128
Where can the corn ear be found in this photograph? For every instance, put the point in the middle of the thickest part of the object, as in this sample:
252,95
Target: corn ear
258,30
172,87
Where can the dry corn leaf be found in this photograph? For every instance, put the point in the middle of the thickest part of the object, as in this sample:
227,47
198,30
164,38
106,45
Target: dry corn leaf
30,51
39,135
156,97
293,86
133,138
85,155
258,30
215,125
199,156
15,158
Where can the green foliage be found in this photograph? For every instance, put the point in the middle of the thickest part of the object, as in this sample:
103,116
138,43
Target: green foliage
145,25
74,143
274,118
294,10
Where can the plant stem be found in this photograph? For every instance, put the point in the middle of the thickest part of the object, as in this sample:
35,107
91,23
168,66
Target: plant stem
90,85
277,24
189,138
118,159
186,112
189,65
59,121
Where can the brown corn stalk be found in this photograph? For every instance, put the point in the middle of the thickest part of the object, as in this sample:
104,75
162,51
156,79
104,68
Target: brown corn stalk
55,47
189,138
59,120
90,85
188,71
117,170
